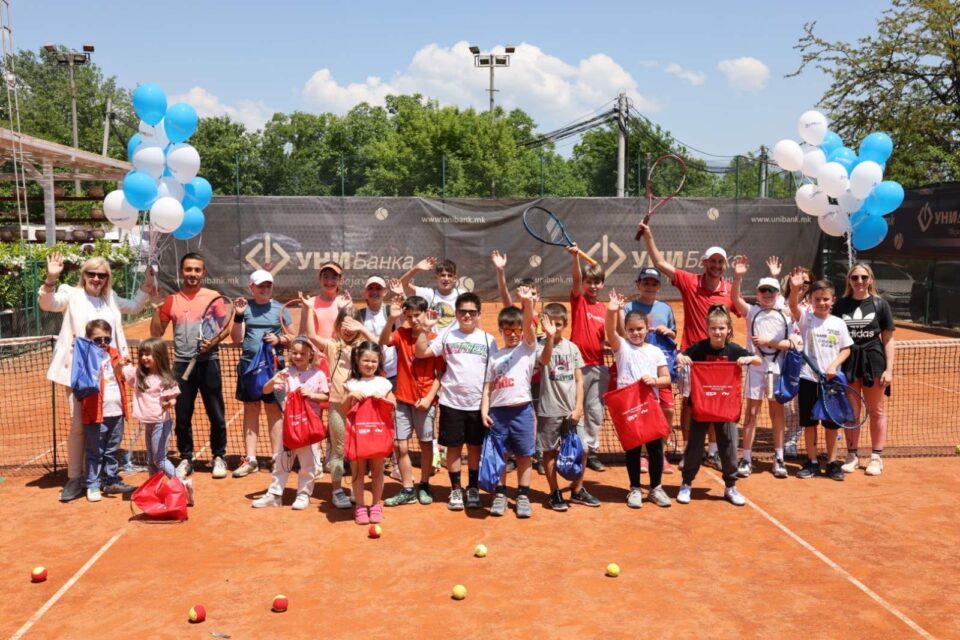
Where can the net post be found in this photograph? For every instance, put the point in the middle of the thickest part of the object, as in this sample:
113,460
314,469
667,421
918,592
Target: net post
53,411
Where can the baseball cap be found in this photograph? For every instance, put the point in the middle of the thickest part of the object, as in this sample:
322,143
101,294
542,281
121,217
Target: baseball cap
260,276
715,251
375,280
769,282
333,266
648,272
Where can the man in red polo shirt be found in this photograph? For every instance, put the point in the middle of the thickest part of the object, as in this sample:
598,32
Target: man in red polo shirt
699,293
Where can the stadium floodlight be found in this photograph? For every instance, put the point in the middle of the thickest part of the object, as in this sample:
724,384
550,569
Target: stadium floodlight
71,59
492,60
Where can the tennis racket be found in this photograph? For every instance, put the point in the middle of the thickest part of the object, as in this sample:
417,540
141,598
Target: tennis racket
214,324
662,172
842,404
291,309
770,325
547,228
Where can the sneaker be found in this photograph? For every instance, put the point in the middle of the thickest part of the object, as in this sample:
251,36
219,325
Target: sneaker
353,496
340,499
779,468
302,502
644,464
538,465
875,467
744,468
245,469
659,497
185,468
557,503
361,515
583,497
424,496
683,496
667,467
499,506
455,503
188,485
93,495
523,506
790,450
594,463
635,498
852,463
733,496
119,487
680,465
473,498
72,490
376,514
406,496
713,460
810,469
835,471
267,500
511,465
219,468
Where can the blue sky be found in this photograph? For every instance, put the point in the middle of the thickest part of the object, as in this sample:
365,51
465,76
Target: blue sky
712,73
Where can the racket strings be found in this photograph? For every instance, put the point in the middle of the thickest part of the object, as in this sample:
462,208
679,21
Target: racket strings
769,325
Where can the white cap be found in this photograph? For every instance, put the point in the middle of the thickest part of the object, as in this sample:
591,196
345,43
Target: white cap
260,276
375,280
769,282
715,251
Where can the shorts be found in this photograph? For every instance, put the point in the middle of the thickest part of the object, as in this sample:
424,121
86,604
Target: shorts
666,397
550,431
517,428
242,395
806,398
757,382
460,426
410,419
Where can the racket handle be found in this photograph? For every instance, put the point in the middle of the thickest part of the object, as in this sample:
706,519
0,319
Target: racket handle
587,258
188,370
769,386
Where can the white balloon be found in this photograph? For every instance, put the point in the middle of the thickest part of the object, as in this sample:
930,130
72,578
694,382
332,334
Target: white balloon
812,200
849,203
812,127
864,178
812,162
166,214
149,159
118,211
834,223
169,187
183,162
788,155
154,134
833,179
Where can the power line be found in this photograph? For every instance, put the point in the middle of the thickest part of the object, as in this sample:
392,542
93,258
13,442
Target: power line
642,117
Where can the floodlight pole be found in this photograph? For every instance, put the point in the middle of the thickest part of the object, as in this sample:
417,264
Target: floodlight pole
492,60
71,59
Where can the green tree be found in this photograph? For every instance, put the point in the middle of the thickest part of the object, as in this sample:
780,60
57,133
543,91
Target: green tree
229,156
904,80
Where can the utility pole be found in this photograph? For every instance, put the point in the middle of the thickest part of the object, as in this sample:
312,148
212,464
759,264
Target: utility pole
492,60
106,129
621,143
763,171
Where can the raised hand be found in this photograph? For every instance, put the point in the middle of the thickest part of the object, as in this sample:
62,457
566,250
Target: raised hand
54,265
150,279
796,278
352,324
526,293
499,259
573,250
740,265
428,319
427,264
396,288
343,299
395,310
549,329
774,266
617,301
239,306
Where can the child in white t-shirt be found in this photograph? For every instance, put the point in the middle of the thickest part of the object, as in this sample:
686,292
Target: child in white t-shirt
443,297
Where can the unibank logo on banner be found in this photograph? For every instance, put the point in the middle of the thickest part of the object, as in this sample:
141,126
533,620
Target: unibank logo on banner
927,217
271,255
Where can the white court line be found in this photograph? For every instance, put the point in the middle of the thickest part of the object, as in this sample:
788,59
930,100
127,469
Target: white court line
923,633
66,587
38,456
203,449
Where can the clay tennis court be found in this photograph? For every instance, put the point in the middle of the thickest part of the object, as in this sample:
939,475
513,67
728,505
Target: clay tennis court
871,557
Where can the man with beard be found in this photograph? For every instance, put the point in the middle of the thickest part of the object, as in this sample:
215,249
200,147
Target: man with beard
184,308
699,293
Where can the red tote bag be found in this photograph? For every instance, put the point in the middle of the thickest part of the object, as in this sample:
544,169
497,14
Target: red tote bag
715,391
369,432
302,425
162,498
636,415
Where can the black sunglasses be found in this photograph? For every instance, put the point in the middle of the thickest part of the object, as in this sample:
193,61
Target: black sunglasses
96,275
102,340
859,278
468,312
767,290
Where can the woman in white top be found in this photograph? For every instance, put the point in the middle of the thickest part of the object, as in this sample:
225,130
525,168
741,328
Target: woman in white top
92,298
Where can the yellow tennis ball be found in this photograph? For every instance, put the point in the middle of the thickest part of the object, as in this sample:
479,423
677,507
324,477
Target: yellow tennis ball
480,551
459,592
613,569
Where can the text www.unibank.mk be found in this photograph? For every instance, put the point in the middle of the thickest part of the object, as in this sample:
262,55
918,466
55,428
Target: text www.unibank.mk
453,220
783,220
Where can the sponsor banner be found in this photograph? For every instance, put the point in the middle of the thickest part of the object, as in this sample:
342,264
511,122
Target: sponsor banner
293,236
927,225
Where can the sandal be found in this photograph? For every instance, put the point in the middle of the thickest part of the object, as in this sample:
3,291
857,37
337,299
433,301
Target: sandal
376,514
361,516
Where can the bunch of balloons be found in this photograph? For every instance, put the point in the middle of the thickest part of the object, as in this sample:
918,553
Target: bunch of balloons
164,181
844,188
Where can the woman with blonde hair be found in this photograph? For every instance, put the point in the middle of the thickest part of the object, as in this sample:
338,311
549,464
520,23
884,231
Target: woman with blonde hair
91,299
870,365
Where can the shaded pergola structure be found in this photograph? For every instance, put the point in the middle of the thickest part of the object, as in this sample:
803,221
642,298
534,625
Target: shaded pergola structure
47,162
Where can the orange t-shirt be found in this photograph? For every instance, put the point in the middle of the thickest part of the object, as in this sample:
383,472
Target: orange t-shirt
415,375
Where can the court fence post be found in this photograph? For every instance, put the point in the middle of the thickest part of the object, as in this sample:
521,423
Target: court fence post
53,411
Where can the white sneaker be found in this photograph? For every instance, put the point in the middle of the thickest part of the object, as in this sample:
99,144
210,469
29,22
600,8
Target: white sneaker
184,469
302,502
744,468
852,463
219,468
683,496
245,469
733,496
93,495
779,468
188,484
790,450
635,498
267,500
875,467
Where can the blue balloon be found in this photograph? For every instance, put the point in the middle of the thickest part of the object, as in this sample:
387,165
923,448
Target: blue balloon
132,145
858,217
150,103
877,147
198,192
888,196
193,221
869,233
180,122
844,156
140,190
831,142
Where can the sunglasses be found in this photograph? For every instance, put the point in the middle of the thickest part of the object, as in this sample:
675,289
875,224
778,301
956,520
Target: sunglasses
807,283
102,341
767,290
512,331
856,278
96,275
468,312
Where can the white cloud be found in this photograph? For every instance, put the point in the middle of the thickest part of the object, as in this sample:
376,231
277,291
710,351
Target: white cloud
745,74
552,90
696,78
251,114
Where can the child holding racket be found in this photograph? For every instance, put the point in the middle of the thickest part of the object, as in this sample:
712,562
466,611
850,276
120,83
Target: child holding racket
443,297
826,341
302,374
793,428
718,347
638,362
